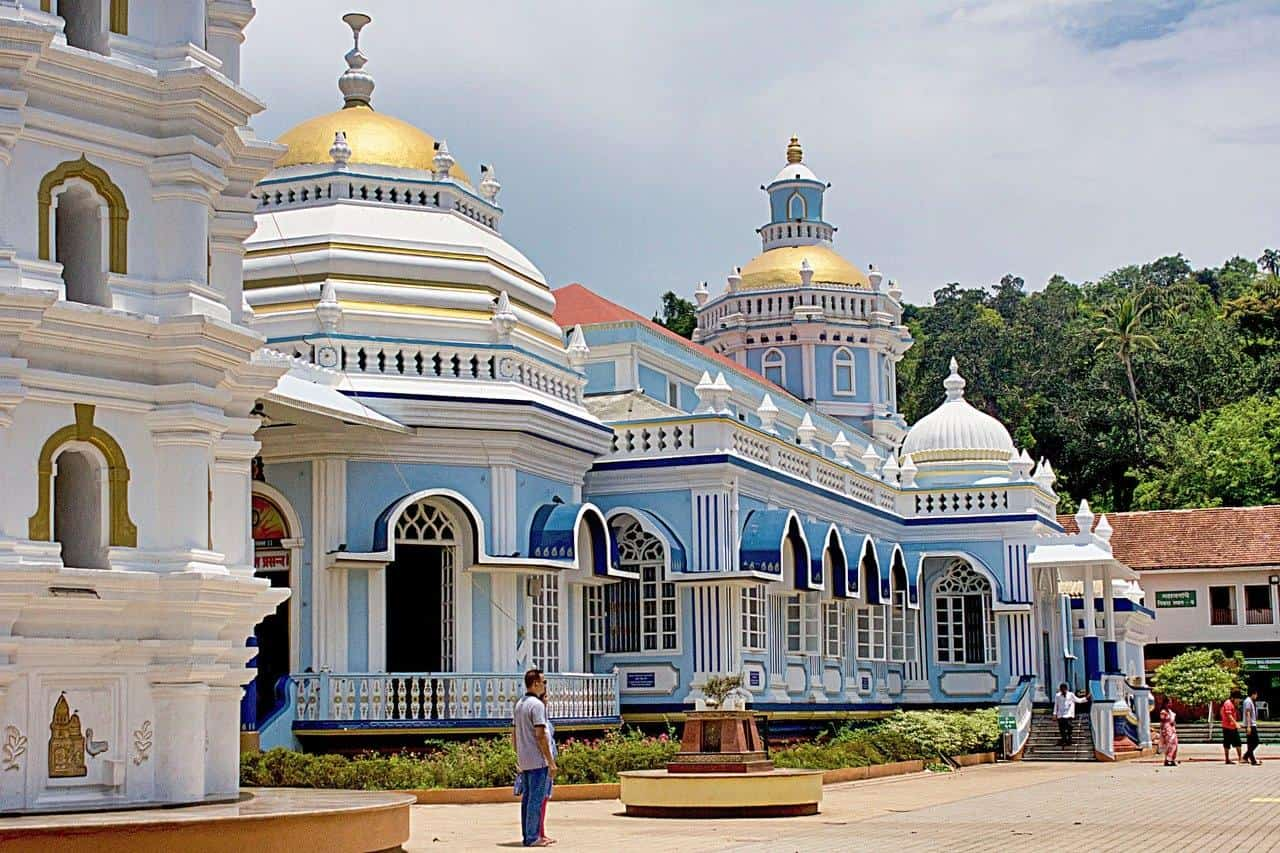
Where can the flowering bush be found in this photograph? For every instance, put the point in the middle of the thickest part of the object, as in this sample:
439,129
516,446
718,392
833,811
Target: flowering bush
903,736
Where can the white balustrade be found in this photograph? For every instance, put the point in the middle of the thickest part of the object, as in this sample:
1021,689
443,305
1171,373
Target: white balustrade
437,361
386,191
427,697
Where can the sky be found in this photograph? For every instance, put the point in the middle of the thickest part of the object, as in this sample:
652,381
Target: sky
962,140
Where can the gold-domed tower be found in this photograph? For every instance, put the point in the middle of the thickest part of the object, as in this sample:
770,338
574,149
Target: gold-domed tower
806,318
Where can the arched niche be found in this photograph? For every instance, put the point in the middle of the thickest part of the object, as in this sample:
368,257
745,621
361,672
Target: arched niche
117,211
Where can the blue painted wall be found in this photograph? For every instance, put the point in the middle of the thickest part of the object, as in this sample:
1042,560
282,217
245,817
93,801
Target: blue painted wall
780,198
373,486
601,377
824,374
293,479
357,621
653,382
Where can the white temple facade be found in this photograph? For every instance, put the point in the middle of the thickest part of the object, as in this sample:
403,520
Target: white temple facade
126,386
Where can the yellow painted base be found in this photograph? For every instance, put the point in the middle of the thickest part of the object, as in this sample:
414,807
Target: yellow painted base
675,792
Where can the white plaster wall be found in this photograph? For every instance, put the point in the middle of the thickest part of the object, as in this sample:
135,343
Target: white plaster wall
1191,625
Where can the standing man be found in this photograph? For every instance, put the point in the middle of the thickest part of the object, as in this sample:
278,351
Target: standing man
535,758
1064,711
1250,719
1230,728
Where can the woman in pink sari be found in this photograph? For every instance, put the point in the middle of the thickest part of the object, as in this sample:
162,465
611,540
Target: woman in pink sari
1169,734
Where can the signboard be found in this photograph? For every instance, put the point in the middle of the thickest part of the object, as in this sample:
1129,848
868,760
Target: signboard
1008,724
1262,664
1176,598
753,678
640,680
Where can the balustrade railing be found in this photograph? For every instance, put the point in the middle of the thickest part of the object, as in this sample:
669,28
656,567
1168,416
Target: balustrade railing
447,697
449,362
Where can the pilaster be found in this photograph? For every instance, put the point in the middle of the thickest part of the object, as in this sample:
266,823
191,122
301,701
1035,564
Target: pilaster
181,753
329,587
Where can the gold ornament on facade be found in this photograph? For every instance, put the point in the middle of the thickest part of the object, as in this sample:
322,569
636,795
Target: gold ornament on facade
66,743
794,152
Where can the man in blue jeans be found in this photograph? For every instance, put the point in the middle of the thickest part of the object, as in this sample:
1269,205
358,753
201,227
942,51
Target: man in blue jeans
535,757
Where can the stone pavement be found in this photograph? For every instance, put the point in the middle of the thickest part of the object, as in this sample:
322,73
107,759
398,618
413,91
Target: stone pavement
1126,806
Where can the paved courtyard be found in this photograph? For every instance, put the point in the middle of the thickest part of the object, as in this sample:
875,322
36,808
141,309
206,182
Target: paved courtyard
1127,806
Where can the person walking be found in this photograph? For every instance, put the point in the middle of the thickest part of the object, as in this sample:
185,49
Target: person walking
1064,711
535,758
1250,720
1230,728
1169,734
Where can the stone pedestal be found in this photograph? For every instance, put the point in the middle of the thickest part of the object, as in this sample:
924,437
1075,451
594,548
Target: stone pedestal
720,742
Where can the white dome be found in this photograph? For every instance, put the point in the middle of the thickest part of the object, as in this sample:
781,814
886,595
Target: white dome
794,172
957,432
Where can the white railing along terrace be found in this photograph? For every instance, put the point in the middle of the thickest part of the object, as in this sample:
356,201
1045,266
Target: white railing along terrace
447,697
385,191
445,361
702,434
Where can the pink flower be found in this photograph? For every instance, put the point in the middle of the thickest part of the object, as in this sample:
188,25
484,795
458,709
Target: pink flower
663,738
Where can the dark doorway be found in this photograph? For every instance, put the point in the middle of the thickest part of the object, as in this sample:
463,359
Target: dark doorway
272,634
975,640
414,606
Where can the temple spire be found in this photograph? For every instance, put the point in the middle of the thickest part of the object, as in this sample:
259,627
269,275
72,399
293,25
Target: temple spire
356,84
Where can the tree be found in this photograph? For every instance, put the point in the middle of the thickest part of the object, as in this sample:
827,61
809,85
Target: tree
1122,332
1270,261
1199,677
678,315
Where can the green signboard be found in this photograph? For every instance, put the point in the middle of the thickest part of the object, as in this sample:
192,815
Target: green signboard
1008,724
1262,664
1176,598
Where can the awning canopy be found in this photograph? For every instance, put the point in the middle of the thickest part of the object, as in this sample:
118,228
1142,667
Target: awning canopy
824,538
857,545
327,401
765,533
554,533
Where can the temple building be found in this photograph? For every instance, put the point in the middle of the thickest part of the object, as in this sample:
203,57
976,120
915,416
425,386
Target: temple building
465,473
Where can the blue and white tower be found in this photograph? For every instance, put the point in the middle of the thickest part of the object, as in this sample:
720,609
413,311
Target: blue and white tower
807,319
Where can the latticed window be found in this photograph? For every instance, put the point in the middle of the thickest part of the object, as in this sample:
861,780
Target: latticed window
755,619
966,625
593,607
871,631
545,625
832,628
657,626
424,522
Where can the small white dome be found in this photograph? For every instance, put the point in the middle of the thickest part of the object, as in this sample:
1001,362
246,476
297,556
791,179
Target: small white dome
794,172
957,432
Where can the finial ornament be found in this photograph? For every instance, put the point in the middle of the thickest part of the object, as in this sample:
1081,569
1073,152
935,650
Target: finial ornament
328,310
701,294
954,383
577,350
340,151
794,152
806,431
806,273
355,83
443,161
767,412
503,318
489,185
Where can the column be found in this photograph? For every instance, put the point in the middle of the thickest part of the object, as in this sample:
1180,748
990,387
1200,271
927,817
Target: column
222,764
1092,661
181,531
1111,658
227,233
180,751
504,586
224,33
231,523
328,587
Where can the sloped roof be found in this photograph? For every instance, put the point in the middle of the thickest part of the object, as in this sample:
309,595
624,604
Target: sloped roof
576,305
1225,537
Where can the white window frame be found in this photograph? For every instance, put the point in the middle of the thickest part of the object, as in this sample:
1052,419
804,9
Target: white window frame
842,360
804,205
951,597
871,631
774,359
755,618
657,599
544,625
833,629
593,612
673,393
794,633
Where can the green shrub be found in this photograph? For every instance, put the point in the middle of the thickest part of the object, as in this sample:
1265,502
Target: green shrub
491,762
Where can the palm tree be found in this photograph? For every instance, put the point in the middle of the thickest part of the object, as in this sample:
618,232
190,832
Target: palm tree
1122,333
1270,261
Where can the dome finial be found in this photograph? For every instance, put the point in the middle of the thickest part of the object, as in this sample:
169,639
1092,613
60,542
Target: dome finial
794,152
954,383
355,83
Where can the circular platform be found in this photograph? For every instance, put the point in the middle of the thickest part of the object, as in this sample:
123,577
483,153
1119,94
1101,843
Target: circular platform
263,820
776,793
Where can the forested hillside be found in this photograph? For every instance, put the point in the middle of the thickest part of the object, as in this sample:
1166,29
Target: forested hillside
1155,387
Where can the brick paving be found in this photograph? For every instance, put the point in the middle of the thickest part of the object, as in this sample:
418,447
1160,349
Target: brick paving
1127,806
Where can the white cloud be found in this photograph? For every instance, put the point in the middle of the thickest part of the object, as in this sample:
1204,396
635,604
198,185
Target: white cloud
963,140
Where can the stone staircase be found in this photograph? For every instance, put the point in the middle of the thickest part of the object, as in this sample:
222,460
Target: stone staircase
1042,743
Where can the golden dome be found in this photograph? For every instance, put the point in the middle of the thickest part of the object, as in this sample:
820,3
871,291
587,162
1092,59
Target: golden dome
375,138
781,266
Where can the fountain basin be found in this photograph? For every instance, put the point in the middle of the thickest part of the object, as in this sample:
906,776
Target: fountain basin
772,793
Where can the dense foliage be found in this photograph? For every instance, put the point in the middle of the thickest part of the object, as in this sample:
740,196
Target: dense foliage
1155,387
491,762
1199,676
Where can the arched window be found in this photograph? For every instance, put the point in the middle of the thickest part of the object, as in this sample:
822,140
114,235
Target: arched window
966,625
640,614
83,225
890,387
82,493
79,487
774,366
796,208
842,370
421,590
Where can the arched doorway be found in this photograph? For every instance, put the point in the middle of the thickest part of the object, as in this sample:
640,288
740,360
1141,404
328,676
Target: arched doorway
421,582
273,560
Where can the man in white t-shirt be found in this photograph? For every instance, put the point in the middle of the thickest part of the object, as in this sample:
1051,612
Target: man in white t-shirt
1064,711
535,758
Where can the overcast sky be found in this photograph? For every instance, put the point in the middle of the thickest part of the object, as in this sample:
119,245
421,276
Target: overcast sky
963,140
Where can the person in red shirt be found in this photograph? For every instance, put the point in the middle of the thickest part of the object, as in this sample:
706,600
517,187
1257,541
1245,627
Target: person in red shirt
1231,728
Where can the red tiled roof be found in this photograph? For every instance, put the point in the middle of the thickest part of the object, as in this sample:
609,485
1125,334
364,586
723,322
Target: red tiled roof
1225,537
576,305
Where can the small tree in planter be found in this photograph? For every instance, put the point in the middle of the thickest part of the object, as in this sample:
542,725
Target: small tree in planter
719,688
1199,677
